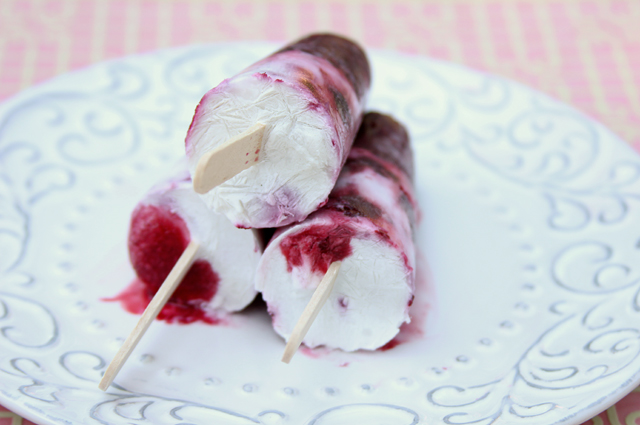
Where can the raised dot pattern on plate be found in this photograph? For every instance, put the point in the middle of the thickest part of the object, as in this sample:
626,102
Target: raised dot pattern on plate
123,110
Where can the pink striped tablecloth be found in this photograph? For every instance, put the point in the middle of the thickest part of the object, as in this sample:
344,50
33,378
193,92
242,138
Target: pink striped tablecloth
583,52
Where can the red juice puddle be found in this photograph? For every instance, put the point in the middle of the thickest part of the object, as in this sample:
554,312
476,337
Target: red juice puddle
135,298
391,344
315,353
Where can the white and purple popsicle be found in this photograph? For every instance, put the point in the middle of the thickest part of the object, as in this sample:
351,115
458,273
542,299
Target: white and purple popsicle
163,223
368,224
310,96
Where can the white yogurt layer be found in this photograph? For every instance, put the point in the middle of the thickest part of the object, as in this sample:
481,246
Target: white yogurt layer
369,302
305,143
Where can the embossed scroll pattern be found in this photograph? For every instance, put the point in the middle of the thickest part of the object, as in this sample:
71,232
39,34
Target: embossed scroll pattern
548,151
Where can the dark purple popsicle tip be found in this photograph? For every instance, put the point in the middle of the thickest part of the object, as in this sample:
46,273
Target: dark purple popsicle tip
353,205
386,138
342,53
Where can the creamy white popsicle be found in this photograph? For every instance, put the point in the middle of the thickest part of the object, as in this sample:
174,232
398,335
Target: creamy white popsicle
310,95
368,225
164,222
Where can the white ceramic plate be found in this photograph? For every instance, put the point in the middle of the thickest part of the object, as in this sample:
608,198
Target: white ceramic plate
530,310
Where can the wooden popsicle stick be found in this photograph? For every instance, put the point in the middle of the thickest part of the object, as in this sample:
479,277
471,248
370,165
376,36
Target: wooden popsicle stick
310,312
225,161
150,313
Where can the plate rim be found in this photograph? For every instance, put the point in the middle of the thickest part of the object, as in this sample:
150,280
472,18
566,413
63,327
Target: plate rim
34,415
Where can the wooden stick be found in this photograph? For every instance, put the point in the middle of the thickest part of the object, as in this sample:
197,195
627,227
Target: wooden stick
225,161
150,313
310,312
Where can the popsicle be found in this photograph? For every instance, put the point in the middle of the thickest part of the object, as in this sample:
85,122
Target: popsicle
283,127
163,224
367,225
189,260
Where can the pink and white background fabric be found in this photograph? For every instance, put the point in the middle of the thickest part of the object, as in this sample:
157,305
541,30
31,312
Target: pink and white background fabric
583,52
